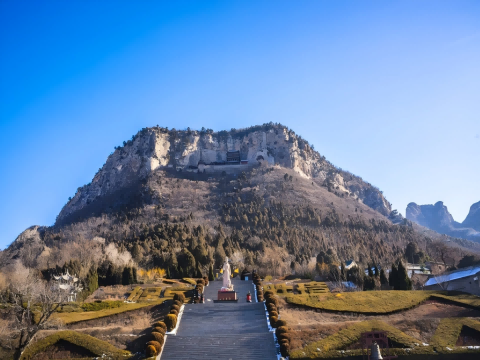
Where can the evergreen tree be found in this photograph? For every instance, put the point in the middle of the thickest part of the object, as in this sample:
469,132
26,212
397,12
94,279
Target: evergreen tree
127,276
168,273
198,271
91,282
403,281
383,278
110,276
343,272
368,283
392,279
375,270
135,279
211,277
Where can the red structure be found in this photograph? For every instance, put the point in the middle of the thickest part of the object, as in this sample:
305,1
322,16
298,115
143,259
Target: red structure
379,337
227,296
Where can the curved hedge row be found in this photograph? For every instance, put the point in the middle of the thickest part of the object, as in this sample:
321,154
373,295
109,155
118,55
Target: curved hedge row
94,345
154,346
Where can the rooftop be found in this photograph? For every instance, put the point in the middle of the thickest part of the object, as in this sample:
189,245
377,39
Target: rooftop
453,275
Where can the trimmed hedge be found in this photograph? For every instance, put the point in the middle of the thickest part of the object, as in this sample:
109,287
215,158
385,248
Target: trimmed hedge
156,345
134,293
160,324
178,303
280,323
160,330
174,312
180,297
94,345
150,351
158,337
175,307
171,321
102,305
281,330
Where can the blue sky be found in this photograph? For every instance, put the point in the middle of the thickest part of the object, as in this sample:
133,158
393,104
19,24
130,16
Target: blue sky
387,90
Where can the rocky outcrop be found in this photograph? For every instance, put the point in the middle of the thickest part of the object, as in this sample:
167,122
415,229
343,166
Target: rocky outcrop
473,218
436,217
157,148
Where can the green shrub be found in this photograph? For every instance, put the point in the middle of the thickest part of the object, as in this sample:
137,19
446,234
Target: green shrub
272,300
271,307
268,293
273,313
201,282
284,342
273,321
171,321
160,330
180,297
283,336
285,350
150,351
158,337
174,312
178,303
281,330
95,306
281,323
175,307
160,324
156,345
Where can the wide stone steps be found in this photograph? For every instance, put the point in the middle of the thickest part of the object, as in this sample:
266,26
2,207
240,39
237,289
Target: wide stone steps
220,347
222,331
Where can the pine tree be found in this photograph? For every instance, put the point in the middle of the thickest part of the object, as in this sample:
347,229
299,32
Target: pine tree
135,278
383,278
110,276
198,271
126,276
168,273
211,277
375,270
403,281
392,279
91,281
343,272
368,283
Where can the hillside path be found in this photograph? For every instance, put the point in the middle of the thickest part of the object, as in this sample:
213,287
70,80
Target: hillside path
222,331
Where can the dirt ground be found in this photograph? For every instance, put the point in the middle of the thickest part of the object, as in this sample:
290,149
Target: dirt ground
419,322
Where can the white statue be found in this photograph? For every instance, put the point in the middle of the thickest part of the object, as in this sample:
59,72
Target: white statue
227,284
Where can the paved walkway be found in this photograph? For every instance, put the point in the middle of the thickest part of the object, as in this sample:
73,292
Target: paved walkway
223,331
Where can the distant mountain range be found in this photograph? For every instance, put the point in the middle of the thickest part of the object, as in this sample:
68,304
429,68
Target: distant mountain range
436,217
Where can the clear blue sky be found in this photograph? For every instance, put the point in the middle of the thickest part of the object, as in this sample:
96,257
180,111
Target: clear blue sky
387,90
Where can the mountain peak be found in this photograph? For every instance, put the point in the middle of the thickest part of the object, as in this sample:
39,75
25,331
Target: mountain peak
191,152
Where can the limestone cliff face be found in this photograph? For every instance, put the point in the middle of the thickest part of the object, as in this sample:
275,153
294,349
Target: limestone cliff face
154,149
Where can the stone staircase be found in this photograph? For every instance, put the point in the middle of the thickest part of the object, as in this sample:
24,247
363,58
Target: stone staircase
223,331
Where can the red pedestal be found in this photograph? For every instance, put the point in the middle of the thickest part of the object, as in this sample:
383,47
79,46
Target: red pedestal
227,296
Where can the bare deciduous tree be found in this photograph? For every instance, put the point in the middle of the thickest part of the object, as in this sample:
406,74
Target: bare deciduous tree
28,304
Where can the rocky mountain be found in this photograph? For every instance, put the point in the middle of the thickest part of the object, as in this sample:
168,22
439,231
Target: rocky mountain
191,152
182,200
437,218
